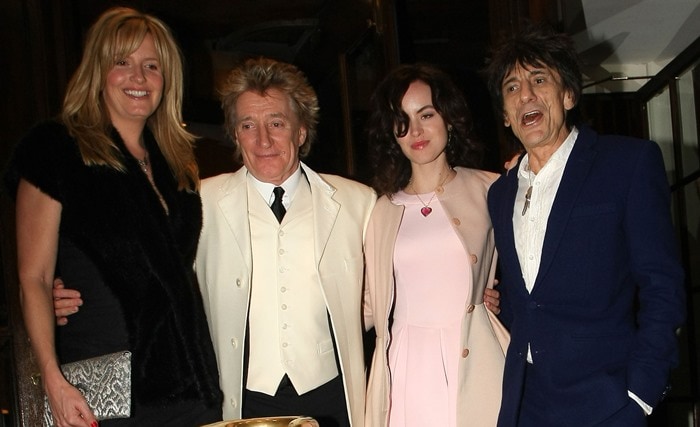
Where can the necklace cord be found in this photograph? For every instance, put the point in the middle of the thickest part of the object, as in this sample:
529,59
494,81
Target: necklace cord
426,209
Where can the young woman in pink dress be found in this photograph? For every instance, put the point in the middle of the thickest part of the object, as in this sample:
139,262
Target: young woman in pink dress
430,256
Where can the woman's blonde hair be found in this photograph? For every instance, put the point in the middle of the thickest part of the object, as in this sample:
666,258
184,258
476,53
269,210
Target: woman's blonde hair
117,33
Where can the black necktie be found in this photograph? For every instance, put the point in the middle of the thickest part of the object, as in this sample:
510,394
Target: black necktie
277,206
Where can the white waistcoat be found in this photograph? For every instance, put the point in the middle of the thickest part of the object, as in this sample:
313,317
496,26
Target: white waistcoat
288,321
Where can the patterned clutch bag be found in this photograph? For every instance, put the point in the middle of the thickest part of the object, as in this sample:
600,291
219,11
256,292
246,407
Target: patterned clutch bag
105,381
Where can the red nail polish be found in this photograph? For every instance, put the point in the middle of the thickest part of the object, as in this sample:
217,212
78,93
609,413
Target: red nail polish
93,424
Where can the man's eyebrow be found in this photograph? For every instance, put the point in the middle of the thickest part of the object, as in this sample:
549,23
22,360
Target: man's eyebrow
273,115
538,71
532,72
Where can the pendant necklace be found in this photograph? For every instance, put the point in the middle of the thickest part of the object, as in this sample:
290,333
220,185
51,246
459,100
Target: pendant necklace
528,193
426,209
143,164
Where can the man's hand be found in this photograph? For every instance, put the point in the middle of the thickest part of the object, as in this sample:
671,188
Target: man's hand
65,301
492,299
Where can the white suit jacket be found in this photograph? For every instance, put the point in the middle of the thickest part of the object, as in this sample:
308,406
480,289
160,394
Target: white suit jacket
341,210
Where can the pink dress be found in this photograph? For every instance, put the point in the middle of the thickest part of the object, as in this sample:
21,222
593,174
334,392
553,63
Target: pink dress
433,284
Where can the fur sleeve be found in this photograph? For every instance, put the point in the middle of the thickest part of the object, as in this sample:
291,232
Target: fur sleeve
42,158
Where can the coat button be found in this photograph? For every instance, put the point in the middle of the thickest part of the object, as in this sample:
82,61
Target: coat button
470,308
234,403
238,283
456,221
234,343
465,353
473,258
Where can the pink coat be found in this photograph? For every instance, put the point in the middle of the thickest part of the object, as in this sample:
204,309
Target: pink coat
481,365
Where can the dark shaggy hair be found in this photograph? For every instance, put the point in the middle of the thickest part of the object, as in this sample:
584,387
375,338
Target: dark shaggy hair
536,45
392,170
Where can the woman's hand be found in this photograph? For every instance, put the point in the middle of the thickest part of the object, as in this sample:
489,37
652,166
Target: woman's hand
68,406
513,162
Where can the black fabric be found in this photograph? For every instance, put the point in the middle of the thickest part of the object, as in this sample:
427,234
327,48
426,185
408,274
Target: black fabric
325,403
183,414
131,261
277,206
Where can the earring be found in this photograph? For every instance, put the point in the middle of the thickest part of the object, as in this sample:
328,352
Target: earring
449,133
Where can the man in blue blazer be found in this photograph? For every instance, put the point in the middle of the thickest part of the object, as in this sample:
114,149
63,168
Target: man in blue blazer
592,288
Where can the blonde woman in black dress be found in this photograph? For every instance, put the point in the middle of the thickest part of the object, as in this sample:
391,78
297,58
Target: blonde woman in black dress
106,197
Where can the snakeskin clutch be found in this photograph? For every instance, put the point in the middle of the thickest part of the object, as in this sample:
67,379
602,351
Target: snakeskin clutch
105,381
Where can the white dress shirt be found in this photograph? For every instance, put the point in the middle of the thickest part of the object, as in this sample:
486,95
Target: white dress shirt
290,187
530,228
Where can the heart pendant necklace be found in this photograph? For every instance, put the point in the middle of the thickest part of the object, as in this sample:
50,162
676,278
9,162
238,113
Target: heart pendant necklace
426,209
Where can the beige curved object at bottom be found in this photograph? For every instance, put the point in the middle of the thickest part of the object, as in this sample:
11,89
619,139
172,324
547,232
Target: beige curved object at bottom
304,422
269,422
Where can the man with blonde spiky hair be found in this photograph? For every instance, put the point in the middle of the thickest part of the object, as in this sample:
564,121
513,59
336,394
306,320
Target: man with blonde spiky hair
280,260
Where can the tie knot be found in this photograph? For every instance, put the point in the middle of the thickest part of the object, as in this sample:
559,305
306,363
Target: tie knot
278,192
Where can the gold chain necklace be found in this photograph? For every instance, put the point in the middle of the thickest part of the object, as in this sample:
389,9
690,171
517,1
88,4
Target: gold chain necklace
426,209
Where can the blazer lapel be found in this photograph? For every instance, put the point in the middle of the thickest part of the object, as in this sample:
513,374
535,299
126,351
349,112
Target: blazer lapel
508,251
234,207
573,179
391,216
325,211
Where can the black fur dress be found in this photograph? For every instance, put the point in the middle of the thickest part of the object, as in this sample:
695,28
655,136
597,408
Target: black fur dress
132,263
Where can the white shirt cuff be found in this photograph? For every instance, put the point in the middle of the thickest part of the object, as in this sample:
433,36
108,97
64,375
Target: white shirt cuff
646,408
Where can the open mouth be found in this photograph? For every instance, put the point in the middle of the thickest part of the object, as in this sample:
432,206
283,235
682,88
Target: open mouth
531,117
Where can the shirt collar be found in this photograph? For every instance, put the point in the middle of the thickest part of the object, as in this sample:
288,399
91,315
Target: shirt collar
290,187
559,157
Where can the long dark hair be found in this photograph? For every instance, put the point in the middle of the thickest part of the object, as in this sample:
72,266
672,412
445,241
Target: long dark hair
391,168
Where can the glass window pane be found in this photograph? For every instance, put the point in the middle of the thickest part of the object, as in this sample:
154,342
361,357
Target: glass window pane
689,130
692,203
660,128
